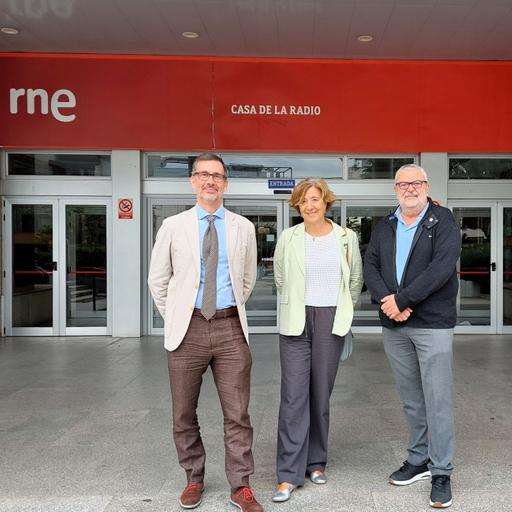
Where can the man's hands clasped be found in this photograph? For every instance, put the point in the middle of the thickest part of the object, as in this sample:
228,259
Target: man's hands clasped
390,309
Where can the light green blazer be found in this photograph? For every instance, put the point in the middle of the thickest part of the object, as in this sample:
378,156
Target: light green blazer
289,275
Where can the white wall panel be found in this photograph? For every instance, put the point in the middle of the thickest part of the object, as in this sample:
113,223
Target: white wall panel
126,245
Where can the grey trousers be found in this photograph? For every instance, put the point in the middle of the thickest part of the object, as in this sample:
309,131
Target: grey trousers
421,360
309,364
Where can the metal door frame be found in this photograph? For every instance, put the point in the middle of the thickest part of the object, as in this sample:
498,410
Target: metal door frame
59,291
502,329
84,331
382,202
7,245
282,217
492,328
151,201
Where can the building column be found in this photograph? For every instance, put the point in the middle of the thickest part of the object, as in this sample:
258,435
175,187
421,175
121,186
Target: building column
126,244
436,166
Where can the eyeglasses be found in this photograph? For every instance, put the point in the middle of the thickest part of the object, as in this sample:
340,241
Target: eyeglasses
404,185
205,176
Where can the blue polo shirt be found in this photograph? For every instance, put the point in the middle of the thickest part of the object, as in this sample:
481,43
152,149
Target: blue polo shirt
404,237
225,297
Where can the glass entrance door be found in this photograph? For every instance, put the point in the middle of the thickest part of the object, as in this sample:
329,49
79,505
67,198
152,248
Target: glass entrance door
85,285
505,268
268,219
55,253
30,255
476,268
484,303
485,267
159,210
362,218
478,301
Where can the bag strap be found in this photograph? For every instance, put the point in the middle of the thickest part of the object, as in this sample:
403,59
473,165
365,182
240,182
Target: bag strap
345,244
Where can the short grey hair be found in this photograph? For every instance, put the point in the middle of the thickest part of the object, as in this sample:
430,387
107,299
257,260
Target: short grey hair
412,166
209,157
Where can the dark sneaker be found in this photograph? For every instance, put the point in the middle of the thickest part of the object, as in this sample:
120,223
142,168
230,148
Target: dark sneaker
244,499
408,474
192,496
441,494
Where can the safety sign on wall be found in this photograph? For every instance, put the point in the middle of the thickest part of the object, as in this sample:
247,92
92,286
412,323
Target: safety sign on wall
125,208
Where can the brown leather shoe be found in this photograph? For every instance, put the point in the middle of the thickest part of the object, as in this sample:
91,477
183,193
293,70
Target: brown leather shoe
192,496
244,499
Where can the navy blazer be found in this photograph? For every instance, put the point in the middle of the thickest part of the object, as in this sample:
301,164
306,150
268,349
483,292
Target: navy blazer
429,283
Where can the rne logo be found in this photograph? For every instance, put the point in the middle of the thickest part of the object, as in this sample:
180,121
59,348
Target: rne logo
60,99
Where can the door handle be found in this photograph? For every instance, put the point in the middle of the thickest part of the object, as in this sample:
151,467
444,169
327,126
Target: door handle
493,266
53,265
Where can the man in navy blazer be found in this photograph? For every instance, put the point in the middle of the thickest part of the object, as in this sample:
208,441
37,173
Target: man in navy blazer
410,270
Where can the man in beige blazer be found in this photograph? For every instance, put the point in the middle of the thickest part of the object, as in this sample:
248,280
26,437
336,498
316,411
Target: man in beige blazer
202,271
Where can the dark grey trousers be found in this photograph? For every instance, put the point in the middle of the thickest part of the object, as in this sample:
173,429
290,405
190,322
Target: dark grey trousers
309,364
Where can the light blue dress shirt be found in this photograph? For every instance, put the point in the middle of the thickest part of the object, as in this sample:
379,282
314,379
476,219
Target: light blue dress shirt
225,297
404,238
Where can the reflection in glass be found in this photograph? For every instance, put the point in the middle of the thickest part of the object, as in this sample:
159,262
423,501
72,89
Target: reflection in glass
86,265
289,167
44,164
474,266
159,213
261,306
256,167
480,168
507,266
375,168
171,166
32,257
362,220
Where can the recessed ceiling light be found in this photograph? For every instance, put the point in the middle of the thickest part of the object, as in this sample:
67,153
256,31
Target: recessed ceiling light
190,35
9,30
365,38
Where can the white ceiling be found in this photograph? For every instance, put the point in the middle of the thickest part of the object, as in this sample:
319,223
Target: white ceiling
402,29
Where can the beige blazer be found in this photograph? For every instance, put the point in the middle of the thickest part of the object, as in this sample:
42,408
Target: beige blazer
289,275
175,269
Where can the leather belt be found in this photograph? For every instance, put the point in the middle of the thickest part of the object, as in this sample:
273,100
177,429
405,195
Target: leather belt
220,313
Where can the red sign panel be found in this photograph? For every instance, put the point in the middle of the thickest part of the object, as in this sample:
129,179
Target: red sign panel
125,208
159,103
120,103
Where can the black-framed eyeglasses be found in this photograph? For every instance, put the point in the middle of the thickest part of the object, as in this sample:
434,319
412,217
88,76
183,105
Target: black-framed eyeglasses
205,176
404,185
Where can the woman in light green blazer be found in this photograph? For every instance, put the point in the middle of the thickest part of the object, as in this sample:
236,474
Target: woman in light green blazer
318,272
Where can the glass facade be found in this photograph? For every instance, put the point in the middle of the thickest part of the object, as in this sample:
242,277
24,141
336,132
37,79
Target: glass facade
159,213
86,265
33,266
45,164
474,305
485,297
480,168
279,166
362,220
256,167
375,168
262,304
507,266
